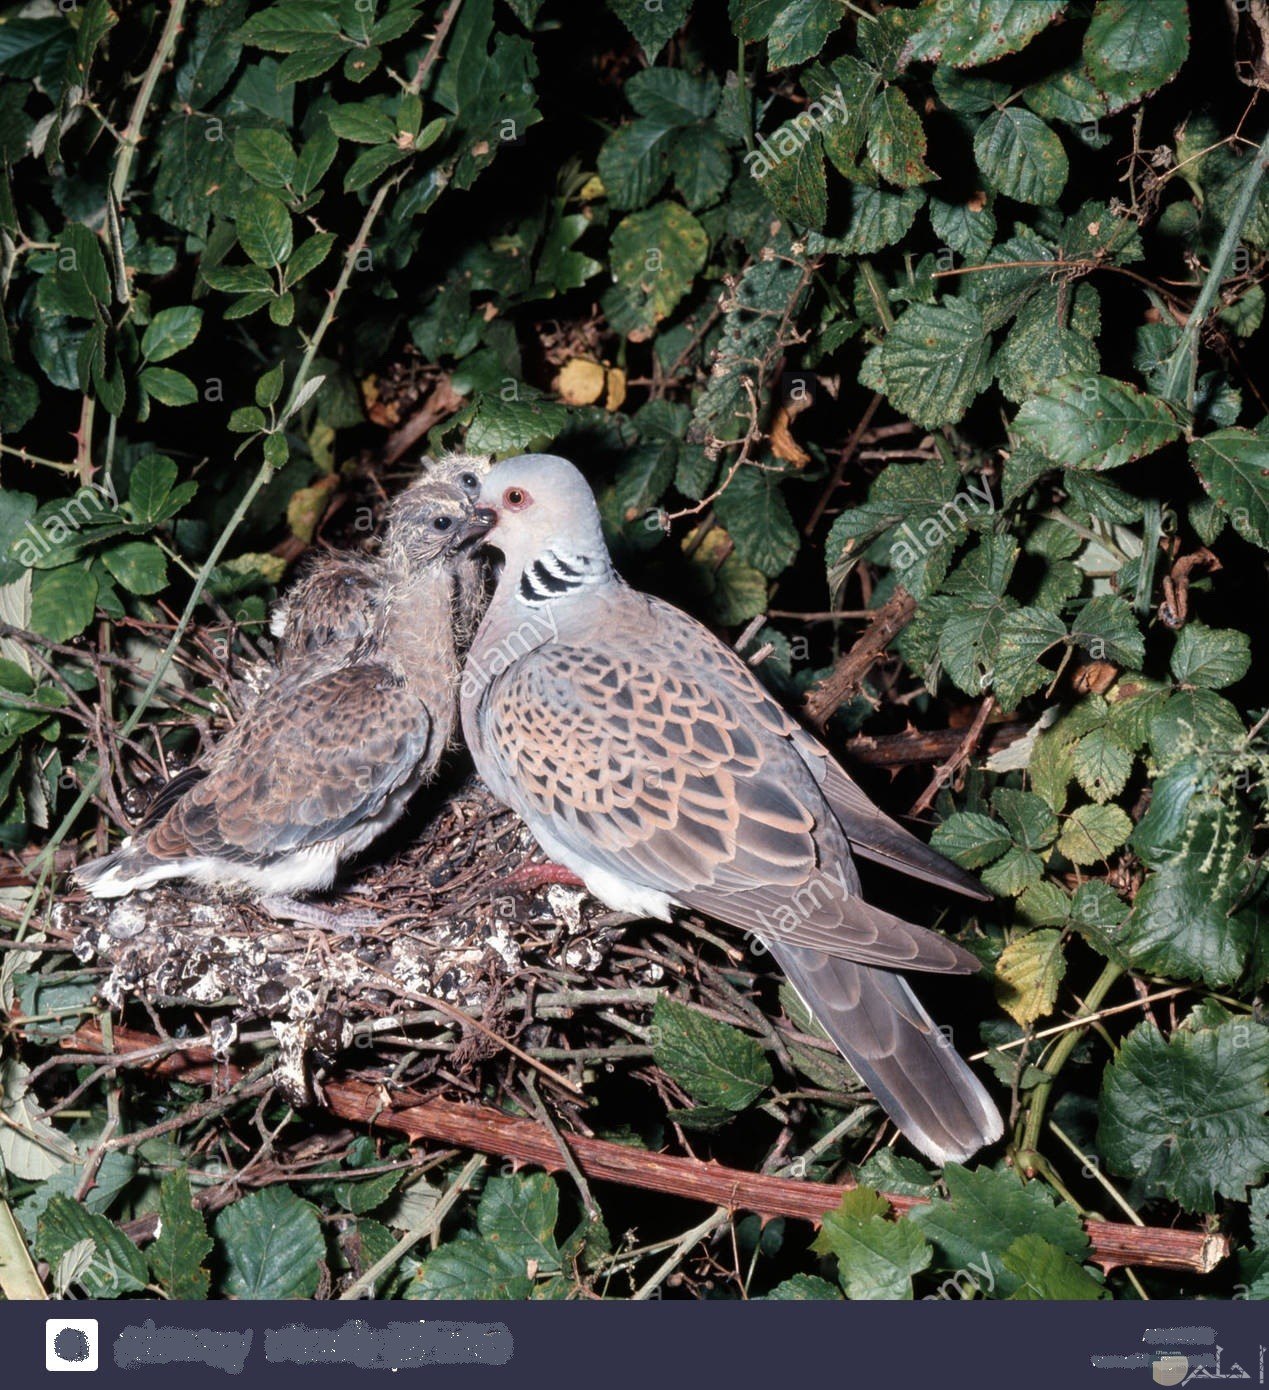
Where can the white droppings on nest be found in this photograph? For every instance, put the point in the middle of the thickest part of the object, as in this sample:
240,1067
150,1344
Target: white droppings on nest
224,1033
583,955
566,903
290,1072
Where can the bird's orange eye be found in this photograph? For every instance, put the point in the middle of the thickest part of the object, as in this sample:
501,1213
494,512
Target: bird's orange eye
516,499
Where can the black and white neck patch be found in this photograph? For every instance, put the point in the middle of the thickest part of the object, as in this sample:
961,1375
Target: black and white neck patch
553,575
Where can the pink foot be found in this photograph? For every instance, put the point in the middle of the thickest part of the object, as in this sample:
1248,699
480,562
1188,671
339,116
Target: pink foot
534,876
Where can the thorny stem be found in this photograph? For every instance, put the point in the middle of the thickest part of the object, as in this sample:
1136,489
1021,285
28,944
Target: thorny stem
132,135
1182,366
1061,1052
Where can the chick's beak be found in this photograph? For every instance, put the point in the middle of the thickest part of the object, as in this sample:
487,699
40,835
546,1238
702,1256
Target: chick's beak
479,523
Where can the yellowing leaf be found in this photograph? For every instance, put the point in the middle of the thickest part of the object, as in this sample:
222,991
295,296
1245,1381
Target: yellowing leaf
1028,974
580,382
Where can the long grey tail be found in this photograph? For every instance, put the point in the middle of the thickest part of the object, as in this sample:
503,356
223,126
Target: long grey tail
881,1029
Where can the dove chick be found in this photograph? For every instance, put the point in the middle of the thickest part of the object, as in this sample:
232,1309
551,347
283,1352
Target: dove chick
646,757
331,606
328,755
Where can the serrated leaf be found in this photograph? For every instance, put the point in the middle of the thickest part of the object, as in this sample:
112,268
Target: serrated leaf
1210,657
468,1267
1101,764
1025,636
62,601
170,331
114,1265
934,361
508,427
168,387
1187,1115
177,1254
672,97
800,30
519,1214
1095,422
1027,817
970,838
1107,629
986,1213
266,155
657,253
789,167
270,1243
1021,156
715,1063
653,26
877,218
896,140
876,1257
138,565
973,32
755,514
1132,47
363,122
1091,834
264,227
1045,1272
1028,974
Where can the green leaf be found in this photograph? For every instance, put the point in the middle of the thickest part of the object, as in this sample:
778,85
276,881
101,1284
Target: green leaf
314,159
1025,636
1132,47
182,1244
62,602
972,32
1095,422
970,839
519,1213
656,254
850,84
896,140
468,1267
269,386
985,1214
1210,657
1028,818
270,1243
168,387
514,426
1187,1115
1101,764
116,1266
1045,1272
264,227
150,489
794,180
266,155
803,1288
1093,833
1021,156
715,1063
653,26
1233,466
672,97
700,166
934,361
633,163
800,30
170,331
138,565
365,122
876,1257
755,514
1012,874
1028,974
371,164
237,279
877,218
293,25
1107,629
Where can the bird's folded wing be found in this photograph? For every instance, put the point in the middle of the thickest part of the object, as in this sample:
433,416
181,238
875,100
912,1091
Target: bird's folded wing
644,769
312,759
870,831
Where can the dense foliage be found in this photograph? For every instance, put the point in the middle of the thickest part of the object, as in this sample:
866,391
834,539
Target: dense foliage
947,309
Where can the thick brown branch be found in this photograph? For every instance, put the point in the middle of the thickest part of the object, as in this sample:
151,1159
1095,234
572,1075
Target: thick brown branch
848,675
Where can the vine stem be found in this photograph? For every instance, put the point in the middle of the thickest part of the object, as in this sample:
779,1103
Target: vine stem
1061,1052
1182,367
132,135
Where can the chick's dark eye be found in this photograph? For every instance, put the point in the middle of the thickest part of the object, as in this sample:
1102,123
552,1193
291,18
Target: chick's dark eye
469,483
442,523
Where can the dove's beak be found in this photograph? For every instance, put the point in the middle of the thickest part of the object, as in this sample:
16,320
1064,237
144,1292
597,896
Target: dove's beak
479,523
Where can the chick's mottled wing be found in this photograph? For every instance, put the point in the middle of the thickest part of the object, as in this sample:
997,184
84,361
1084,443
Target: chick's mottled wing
644,767
312,760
